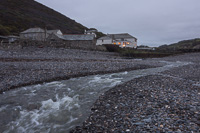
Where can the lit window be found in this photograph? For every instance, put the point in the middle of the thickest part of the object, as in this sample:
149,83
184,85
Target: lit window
119,43
128,43
114,43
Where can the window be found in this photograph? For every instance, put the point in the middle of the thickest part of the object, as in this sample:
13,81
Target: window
102,40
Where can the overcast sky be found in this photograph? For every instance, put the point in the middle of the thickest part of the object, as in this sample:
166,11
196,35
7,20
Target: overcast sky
153,22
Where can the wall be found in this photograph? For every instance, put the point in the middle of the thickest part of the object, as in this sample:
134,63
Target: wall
86,45
33,36
99,42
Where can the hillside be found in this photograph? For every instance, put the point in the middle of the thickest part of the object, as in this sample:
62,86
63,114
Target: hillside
19,15
185,44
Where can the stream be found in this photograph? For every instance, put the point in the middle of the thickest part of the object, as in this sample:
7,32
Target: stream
61,105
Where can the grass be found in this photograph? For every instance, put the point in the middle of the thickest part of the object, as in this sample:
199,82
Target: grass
135,53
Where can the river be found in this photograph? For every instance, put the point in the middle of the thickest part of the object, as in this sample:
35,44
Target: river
61,105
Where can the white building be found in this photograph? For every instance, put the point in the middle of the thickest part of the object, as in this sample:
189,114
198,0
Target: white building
91,32
123,40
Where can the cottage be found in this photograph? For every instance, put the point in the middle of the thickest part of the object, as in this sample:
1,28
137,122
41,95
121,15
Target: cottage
33,34
38,34
3,39
91,32
58,32
123,40
8,39
12,38
74,39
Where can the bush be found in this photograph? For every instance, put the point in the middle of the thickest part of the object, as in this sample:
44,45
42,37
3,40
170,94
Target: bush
112,48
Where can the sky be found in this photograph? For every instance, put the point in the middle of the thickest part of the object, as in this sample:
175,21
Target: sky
152,22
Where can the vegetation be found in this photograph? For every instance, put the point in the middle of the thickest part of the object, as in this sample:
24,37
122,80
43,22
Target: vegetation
19,15
186,45
136,53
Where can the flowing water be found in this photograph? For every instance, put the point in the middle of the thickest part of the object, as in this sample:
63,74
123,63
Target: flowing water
61,105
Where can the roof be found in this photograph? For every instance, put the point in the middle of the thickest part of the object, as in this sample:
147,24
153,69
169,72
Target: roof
78,37
59,36
33,30
3,37
119,36
91,31
52,31
104,38
12,36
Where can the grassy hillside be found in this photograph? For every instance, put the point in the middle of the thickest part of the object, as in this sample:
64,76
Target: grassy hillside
183,45
19,15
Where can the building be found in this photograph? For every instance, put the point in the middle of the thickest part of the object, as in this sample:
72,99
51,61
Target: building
8,39
58,32
91,32
33,34
123,40
38,34
70,37
12,38
81,41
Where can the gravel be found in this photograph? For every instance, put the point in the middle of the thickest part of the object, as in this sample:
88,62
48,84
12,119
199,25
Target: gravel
165,102
37,65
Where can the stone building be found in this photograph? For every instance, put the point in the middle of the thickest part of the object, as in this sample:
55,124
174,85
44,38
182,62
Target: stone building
38,34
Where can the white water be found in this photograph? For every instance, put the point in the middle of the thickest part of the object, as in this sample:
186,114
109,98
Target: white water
59,106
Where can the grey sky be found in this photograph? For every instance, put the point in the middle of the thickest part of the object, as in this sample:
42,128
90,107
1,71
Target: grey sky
153,22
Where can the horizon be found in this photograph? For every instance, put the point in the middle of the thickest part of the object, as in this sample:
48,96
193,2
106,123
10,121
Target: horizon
153,23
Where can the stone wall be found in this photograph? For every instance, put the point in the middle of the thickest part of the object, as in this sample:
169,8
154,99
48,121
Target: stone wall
86,45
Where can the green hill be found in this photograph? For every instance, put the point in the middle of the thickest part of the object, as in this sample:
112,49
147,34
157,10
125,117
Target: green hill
19,15
193,44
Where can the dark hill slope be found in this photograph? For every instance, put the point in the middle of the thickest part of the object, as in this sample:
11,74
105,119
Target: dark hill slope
185,44
19,15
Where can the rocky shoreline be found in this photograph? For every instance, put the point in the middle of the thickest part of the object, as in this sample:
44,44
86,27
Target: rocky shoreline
166,102
33,65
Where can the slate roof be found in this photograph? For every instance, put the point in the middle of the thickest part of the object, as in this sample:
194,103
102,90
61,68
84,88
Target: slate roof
105,38
116,36
79,37
33,30
3,37
122,35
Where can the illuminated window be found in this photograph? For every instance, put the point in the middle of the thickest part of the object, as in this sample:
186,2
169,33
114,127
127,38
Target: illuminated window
119,43
128,43
114,43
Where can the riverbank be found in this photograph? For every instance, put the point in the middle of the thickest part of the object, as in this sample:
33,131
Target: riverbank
165,102
32,65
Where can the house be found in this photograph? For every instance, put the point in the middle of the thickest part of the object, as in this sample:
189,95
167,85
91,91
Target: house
54,32
3,39
12,38
38,34
33,34
80,41
71,37
123,40
91,32
8,39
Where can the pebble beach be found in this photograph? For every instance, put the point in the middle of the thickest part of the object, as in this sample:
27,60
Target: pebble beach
165,102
